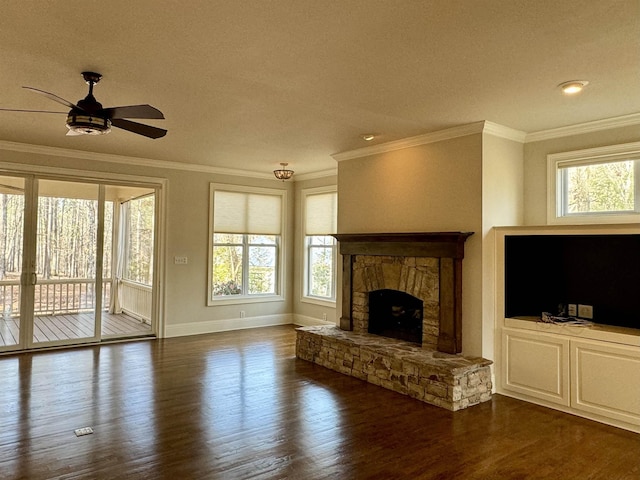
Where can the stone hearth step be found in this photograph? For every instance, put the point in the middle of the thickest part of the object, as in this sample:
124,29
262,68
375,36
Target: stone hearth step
449,381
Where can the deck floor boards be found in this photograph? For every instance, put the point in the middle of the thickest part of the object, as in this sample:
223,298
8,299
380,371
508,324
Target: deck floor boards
53,328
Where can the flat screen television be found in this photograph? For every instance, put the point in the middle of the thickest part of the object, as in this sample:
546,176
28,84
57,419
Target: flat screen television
543,272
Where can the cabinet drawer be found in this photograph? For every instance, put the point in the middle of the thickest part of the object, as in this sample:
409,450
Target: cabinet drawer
536,365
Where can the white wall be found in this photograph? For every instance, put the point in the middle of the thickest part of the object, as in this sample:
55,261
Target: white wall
502,204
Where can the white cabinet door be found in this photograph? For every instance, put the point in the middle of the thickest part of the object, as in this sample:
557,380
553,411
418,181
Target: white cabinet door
536,365
606,380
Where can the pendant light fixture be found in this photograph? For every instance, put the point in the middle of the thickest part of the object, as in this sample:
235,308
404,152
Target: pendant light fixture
283,173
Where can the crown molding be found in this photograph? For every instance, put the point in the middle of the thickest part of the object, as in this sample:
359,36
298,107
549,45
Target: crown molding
501,131
433,137
582,128
313,175
124,160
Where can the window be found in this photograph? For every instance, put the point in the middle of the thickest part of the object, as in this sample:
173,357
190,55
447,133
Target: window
600,185
320,218
246,241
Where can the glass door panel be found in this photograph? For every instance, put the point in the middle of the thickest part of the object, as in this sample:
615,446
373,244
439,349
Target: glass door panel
129,265
66,293
12,206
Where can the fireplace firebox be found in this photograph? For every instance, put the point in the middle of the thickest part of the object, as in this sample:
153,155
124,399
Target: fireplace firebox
395,314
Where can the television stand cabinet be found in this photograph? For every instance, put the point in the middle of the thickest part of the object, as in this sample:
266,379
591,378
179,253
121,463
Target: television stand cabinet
589,371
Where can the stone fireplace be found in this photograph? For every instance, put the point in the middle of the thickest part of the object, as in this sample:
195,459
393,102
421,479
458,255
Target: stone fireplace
401,319
427,266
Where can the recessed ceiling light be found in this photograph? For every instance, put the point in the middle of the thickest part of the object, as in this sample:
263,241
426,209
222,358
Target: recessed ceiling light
368,136
573,86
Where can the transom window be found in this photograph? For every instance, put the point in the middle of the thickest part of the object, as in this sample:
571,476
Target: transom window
595,186
246,238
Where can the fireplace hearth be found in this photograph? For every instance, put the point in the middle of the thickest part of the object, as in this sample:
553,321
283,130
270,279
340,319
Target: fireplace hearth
401,323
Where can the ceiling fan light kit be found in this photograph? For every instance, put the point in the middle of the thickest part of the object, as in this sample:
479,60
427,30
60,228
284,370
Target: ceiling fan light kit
81,124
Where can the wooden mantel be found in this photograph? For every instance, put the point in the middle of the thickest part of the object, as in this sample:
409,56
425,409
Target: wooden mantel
447,246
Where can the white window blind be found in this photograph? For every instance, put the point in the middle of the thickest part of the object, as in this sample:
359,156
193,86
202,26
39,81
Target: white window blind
321,213
253,213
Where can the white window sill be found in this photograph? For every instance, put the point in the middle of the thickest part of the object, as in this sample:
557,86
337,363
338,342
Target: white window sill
319,301
594,219
241,299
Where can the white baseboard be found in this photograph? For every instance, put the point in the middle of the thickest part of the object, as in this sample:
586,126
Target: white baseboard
305,321
224,325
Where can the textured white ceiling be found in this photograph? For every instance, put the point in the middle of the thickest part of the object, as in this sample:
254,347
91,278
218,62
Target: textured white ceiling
246,85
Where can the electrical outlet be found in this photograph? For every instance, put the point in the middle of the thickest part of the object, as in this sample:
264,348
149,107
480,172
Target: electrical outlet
324,317
585,311
572,310
180,260
241,313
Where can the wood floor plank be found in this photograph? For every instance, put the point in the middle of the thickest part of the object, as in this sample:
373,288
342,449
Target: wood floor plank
239,405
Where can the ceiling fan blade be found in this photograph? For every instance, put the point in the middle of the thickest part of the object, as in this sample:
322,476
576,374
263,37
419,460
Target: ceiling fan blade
133,111
139,128
53,97
28,111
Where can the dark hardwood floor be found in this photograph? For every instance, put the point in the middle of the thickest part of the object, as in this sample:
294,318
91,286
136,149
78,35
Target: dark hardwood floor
239,405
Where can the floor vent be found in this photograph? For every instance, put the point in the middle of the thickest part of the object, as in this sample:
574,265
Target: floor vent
83,431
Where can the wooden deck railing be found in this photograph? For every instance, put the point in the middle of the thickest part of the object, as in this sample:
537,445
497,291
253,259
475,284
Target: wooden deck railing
135,299
54,297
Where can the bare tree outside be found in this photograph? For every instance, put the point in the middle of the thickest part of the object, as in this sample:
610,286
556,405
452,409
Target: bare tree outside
141,228
605,187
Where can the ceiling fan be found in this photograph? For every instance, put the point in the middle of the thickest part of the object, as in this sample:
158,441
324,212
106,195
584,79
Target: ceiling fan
87,117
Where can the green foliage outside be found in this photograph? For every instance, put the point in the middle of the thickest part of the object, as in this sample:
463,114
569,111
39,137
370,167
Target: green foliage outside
321,272
230,260
607,187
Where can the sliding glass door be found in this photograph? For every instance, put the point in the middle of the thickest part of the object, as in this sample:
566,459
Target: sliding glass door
68,266
76,262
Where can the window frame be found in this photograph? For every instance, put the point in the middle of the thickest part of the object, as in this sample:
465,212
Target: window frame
280,248
557,164
305,297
